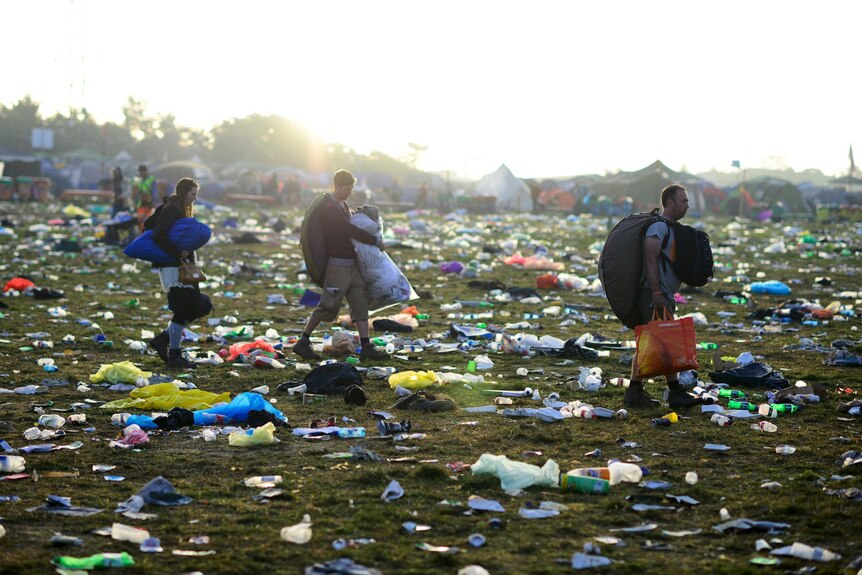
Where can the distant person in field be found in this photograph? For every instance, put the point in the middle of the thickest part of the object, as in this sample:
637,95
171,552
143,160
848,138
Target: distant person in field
186,301
142,197
292,190
422,196
117,180
342,278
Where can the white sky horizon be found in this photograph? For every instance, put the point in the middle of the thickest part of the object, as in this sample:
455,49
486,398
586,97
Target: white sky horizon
551,88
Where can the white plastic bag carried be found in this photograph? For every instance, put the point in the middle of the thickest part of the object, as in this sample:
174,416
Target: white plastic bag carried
384,282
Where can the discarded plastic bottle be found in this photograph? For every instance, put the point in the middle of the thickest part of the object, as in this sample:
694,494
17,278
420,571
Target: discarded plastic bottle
351,432
721,420
707,345
581,484
665,420
731,393
785,407
766,410
422,316
475,303
599,472
766,426
733,404
379,341
99,560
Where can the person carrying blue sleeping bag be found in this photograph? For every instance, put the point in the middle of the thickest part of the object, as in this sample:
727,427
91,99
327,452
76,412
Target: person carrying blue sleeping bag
186,301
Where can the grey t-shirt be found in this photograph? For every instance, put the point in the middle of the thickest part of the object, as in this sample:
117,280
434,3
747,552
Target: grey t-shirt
668,282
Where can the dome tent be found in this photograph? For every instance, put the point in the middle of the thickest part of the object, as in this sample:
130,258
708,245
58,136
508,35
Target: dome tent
512,193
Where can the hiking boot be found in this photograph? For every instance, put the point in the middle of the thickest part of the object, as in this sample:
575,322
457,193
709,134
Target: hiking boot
303,349
369,353
160,344
355,395
637,397
177,361
679,399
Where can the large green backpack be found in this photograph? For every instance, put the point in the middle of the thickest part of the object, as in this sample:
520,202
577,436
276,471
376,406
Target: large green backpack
621,265
311,240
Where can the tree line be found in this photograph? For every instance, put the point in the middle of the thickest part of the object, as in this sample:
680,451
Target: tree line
268,140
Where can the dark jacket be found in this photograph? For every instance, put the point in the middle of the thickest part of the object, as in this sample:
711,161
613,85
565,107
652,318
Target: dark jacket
338,231
160,223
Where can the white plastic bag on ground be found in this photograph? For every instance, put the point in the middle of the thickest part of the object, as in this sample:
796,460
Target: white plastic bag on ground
384,282
515,475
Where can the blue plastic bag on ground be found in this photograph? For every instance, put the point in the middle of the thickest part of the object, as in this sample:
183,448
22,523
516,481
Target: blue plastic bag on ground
236,411
772,287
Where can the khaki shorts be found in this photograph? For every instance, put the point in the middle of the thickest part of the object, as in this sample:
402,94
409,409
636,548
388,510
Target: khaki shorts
645,306
342,282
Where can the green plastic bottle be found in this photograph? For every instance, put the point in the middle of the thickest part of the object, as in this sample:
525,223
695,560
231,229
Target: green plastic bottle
733,404
422,316
707,345
785,407
378,341
99,560
731,393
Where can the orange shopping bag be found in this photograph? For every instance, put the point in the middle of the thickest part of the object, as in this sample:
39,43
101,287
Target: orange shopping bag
665,346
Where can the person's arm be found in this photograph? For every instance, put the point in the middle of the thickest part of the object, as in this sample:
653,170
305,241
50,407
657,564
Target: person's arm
169,215
338,222
652,253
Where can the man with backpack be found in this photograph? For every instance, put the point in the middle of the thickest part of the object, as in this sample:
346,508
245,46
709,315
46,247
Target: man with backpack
328,228
659,282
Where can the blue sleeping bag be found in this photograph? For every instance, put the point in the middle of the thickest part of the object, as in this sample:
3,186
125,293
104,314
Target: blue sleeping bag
187,233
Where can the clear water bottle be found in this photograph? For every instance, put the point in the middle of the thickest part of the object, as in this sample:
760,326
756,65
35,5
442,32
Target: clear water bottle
766,426
721,420
351,432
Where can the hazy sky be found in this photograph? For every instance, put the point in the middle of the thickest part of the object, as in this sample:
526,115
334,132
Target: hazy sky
547,87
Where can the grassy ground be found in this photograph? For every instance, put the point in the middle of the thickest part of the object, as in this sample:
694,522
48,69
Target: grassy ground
343,498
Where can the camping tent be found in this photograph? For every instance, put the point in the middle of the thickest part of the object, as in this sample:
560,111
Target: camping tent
645,185
512,193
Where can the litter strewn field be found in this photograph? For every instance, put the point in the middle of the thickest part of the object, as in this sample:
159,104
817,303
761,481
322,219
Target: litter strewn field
712,498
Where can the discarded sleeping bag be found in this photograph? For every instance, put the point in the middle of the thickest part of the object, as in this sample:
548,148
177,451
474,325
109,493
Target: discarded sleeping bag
384,282
332,378
754,374
187,233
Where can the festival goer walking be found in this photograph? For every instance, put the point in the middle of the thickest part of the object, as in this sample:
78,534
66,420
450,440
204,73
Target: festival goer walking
186,301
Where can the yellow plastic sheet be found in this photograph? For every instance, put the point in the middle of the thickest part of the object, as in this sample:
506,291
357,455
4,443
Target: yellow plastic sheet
164,396
263,435
413,380
120,372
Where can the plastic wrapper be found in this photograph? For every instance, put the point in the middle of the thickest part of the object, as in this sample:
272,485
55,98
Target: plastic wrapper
120,372
515,474
413,380
263,435
164,396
